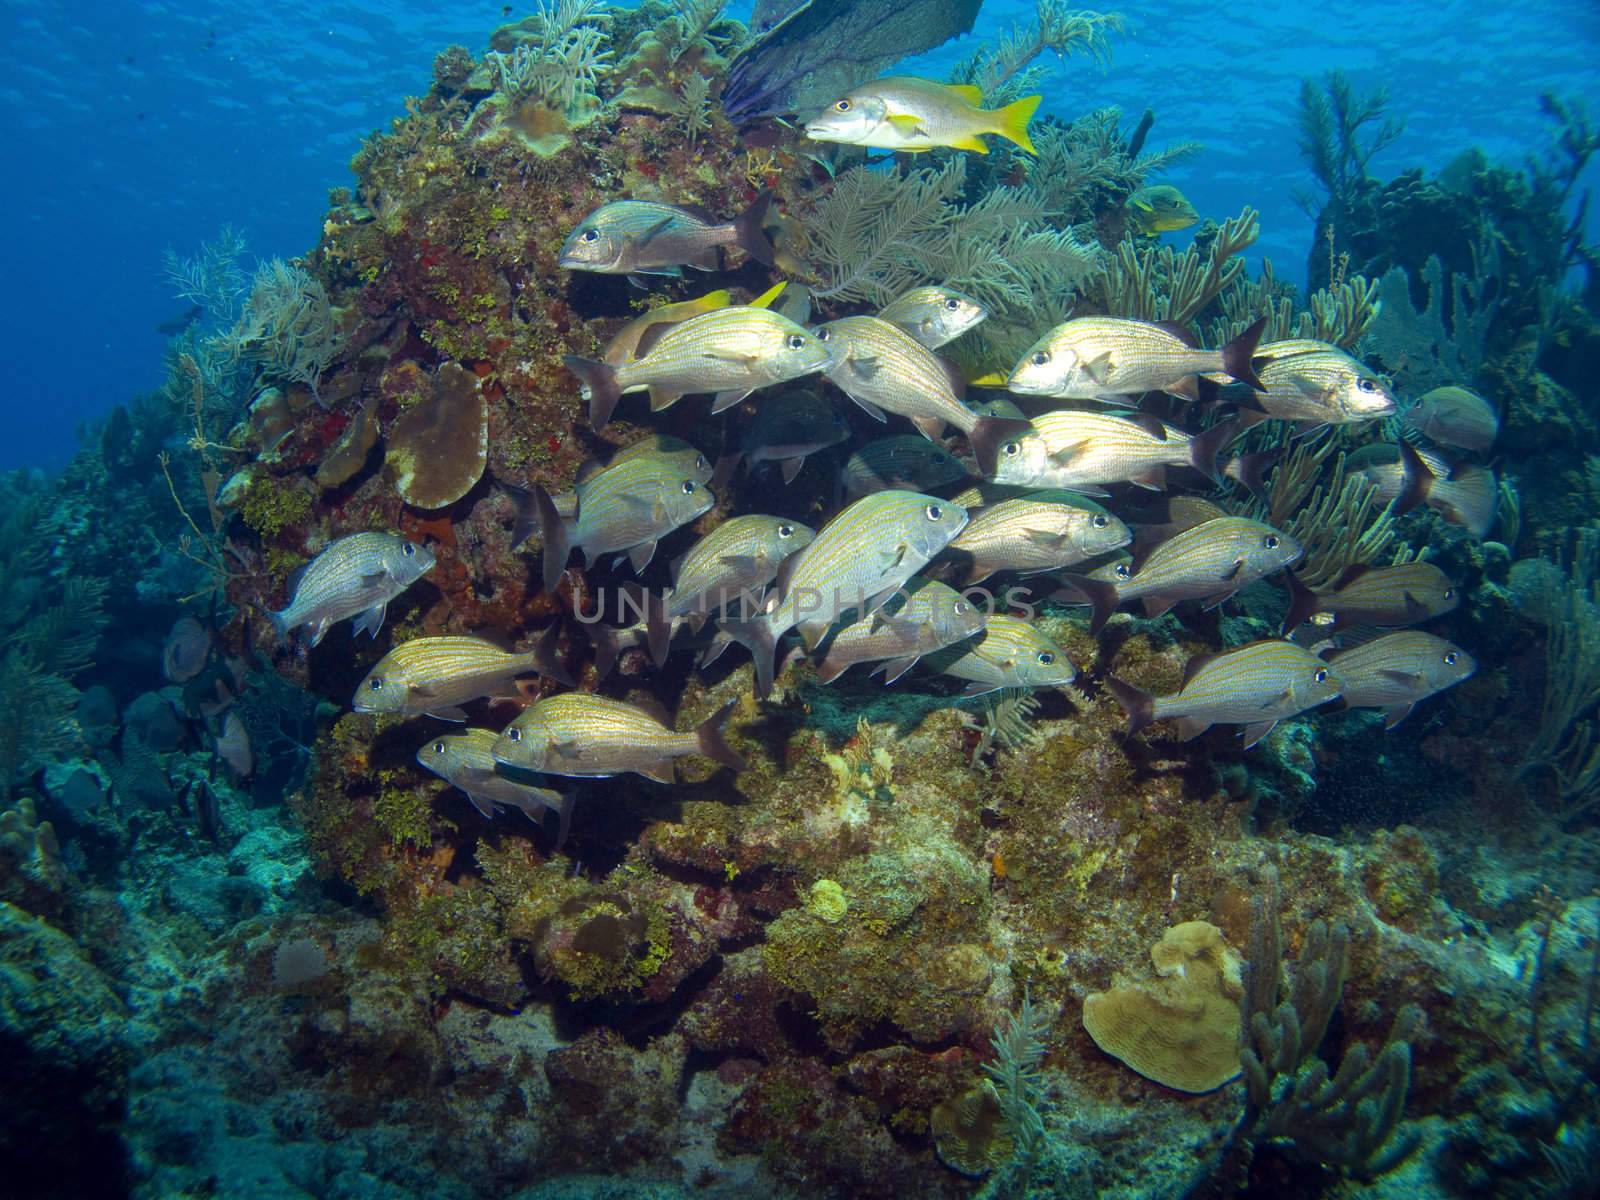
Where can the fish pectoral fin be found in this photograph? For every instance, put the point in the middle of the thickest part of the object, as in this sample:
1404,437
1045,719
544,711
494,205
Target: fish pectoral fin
1232,572
374,578
370,621
979,689
449,712
481,802
864,367
1255,732
641,555
931,428
1415,609
1190,728
319,630
743,563
871,409
791,467
1049,539
1408,679
569,750
659,227
732,356
1280,699
1099,367
906,125
1064,454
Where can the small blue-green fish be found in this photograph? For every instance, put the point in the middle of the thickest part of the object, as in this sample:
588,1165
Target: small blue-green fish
1210,562
1396,671
884,369
1454,416
1256,686
1028,536
354,576
923,616
907,462
1081,451
641,237
856,561
627,506
1160,208
731,351
1405,594
437,675
786,429
588,736
466,759
1116,360
1009,653
933,315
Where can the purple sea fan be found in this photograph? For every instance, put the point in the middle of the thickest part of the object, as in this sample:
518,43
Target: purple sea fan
185,651
233,747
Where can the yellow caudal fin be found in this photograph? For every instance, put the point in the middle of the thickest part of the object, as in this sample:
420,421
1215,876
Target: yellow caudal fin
972,95
767,297
1012,121
990,379
713,300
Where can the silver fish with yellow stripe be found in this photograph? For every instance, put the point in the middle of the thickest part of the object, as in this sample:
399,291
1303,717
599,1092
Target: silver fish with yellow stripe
730,351
1315,384
669,452
623,347
933,315
627,506
923,616
1396,671
1115,359
437,675
583,735
1028,536
911,115
1256,686
907,461
1081,451
884,369
466,759
855,562
1009,653
1210,562
354,576
1404,594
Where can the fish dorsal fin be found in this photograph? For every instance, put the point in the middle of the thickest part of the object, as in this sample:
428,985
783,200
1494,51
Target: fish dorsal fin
653,708
497,638
649,338
1141,555
1154,426
1195,665
1349,575
698,212
766,299
957,378
1180,331
588,469
972,95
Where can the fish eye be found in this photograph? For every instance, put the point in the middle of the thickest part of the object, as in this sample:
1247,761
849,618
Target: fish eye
700,463
1040,357
785,531
934,512
842,106
962,608
1272,541
1100,521
590,235
1122,571
1046,658
1321,676
939,460
438,747
952,304
1450,658
1367,385
1011,449
821,334
688,487
1450,593
514,734
375,684
408,550
797,341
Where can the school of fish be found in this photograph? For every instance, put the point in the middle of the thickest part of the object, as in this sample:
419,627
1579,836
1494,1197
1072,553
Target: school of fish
887,583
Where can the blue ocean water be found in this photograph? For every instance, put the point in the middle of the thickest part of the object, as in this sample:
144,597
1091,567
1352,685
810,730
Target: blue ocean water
137,127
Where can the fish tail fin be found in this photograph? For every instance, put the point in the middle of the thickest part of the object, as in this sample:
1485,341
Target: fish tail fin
1418,480
1011,122
712,735
726,466
1236,356
989,434
748,234
1102,596
1136,702
658,626
600,387
757,637
280,622
606,649
1253,469
547,656
552,532
1205,447
1302,604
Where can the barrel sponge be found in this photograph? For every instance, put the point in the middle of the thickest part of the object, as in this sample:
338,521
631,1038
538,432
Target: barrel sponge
1181,1029
439,446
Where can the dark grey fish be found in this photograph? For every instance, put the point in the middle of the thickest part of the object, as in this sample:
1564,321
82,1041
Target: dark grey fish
786,429
466,759
909,462
642,237
924,616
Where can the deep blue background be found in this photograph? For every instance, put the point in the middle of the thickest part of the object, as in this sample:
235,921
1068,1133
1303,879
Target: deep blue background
131,127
